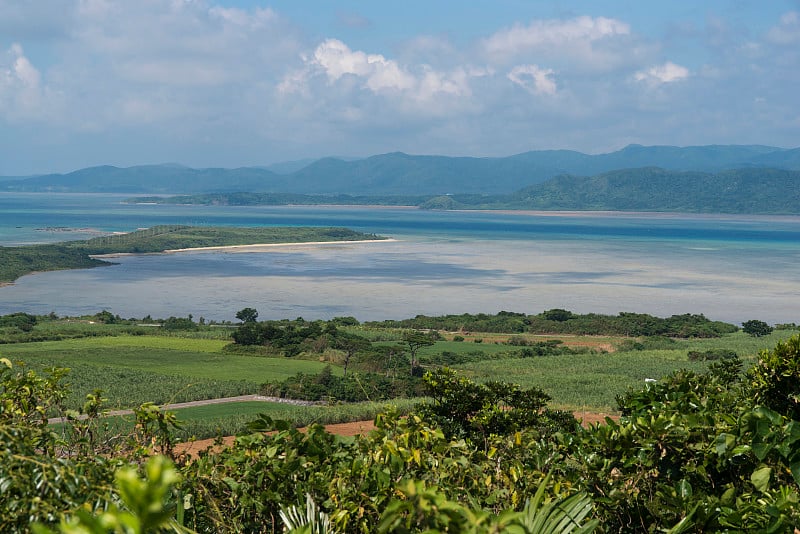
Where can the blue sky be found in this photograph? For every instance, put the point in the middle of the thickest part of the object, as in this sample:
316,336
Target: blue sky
245,82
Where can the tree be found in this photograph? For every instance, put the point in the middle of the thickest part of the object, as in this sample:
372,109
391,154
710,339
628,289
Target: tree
412,342
557,314
465,408
247,315
756,328
350,344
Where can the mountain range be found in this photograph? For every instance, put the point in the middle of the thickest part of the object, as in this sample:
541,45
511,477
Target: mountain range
403,174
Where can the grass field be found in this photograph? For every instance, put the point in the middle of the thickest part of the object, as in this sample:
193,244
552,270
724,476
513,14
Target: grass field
135,369
192,358
591,381
132,369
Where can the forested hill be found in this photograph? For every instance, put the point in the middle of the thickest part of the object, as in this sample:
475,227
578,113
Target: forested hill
753,191
404,174
654,189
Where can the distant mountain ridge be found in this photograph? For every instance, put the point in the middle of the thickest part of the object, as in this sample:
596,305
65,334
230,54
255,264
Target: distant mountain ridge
398,173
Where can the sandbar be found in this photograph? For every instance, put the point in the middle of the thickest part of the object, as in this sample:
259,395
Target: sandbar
258,247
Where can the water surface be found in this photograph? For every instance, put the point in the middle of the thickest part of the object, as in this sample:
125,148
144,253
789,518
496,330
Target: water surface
729,268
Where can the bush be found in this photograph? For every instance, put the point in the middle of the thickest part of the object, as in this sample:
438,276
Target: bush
775,379
179,323
756,328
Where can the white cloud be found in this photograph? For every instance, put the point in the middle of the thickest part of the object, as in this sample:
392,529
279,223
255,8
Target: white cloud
534,79
377,74
22,69
788,29
336,59
586,39
20,86
667,73
259,18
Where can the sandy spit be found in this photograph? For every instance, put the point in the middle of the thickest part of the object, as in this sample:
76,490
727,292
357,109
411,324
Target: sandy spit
259,247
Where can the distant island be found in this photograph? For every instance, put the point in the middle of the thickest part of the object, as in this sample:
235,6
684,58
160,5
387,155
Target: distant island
22,260
650,189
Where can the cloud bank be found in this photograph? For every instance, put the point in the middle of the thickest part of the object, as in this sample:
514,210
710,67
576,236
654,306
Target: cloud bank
204,83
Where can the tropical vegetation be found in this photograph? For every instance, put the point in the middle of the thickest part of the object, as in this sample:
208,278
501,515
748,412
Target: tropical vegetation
714,445
22,260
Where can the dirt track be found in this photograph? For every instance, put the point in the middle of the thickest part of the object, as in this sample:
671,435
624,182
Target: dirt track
352,429
204,402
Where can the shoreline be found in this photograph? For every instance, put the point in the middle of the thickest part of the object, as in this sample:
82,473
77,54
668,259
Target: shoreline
256,247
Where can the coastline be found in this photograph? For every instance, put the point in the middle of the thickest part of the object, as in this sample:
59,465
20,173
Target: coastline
257,247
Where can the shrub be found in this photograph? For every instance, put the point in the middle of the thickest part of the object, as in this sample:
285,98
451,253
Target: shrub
775,379
756,328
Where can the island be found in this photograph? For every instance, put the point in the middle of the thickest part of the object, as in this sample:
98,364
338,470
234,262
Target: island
21,260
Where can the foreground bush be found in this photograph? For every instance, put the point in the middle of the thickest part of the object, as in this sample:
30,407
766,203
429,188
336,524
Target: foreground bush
692,453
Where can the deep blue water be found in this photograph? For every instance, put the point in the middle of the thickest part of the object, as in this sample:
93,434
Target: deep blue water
22,216
731,268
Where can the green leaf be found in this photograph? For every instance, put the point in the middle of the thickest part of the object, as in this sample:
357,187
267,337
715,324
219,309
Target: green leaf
795,468
760,478
684,489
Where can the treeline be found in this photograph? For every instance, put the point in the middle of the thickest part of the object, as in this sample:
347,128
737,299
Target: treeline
19,261
22,260
559,321
171,237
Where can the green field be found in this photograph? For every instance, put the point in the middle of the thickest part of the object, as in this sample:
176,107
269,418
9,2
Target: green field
591,381
136,369
177,366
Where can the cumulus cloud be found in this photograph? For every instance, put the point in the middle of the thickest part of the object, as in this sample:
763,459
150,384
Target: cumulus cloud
787,31
20,85
534,79
336,61
667,73
585,39
22,69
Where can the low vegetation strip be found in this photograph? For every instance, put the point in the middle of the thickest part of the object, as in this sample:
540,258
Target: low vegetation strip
19,261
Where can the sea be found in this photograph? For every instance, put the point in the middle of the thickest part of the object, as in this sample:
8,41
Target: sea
729,268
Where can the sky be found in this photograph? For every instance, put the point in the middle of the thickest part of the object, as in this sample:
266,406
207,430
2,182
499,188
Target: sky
230,83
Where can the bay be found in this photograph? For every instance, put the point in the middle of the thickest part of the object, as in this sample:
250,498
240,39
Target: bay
727,267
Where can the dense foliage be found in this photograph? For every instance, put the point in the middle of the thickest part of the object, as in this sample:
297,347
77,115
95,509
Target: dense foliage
19,261
708,452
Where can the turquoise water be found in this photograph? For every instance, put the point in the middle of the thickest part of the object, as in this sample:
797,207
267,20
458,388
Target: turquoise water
730,268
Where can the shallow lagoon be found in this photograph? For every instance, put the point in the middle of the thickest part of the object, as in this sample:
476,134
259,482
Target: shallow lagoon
728,268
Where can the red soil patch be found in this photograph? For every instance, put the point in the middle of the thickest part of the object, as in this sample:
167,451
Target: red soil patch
357,428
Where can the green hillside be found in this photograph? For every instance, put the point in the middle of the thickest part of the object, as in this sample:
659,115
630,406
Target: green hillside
404,174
